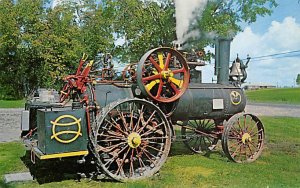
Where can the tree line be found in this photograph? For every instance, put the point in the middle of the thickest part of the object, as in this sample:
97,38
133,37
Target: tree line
40,44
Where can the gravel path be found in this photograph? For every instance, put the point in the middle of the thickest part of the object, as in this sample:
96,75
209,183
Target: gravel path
10,119
264,109
10,123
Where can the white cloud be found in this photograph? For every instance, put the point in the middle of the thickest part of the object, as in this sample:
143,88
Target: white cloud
281,37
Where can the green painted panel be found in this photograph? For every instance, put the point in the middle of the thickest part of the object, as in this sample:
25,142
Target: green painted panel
61,130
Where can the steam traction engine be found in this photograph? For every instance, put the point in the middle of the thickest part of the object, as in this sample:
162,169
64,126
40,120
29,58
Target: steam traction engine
127,127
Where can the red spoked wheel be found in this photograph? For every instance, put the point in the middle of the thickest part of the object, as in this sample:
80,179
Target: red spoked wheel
65,92
243,138
163,75
68,89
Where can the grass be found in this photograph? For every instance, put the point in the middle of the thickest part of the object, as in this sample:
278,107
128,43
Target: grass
277,167
282,95
12,103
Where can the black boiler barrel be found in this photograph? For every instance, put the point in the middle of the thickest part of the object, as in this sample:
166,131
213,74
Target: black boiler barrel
209,101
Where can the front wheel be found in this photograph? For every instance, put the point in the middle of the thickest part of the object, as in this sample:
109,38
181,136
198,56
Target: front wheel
243,138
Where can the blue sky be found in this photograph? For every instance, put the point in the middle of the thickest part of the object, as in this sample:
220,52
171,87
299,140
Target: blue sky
278,33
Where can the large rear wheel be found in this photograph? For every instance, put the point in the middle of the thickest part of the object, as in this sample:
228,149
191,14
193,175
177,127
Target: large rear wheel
131,140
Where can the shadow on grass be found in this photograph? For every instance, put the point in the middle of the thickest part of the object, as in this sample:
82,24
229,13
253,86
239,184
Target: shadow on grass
179,148
53,170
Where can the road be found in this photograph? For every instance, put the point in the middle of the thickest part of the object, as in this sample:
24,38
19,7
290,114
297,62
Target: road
265,109
10,119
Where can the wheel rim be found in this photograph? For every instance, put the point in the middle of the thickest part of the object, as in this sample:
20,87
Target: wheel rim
243,138
196,142
163,75
133,140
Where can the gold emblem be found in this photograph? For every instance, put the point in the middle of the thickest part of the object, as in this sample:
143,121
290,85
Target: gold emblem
58,122
235,97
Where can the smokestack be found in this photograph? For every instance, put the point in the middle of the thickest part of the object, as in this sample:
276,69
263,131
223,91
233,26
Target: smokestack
222,52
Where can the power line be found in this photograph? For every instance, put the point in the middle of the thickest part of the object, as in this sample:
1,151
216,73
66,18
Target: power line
265,59
271,56
277,54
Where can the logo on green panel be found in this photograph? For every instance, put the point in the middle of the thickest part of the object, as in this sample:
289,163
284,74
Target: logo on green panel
60,122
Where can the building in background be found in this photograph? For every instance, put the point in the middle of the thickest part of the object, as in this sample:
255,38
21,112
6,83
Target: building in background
256,86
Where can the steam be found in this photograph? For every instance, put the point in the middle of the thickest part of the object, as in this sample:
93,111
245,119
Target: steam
186,12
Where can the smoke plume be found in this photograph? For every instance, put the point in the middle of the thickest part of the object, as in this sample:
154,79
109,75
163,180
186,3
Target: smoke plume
186,12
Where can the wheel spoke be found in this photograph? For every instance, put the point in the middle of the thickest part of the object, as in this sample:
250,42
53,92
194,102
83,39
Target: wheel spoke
141,115
178,71
161,60
122,162
123,120
176,82
234,129
177,91
146,153
110,148
155,138
115,125
154,148
152,84
131,163
155,64
146,123
131,116
160,87
167,61
258,132
238,122
151,130
153,77
254,127
245,117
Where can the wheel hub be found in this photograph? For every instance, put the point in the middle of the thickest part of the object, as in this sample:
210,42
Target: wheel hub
134,140
246,138
167,74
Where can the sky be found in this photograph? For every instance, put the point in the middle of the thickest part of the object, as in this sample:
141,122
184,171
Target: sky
278,33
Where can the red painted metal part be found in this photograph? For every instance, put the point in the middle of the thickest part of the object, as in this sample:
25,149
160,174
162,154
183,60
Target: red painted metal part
159,67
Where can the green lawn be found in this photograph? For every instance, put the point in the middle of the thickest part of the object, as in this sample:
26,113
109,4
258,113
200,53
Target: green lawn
12,103
281,95
277,167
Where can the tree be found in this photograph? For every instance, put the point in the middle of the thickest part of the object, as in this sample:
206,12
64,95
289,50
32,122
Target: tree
142,25
298,80
10,86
